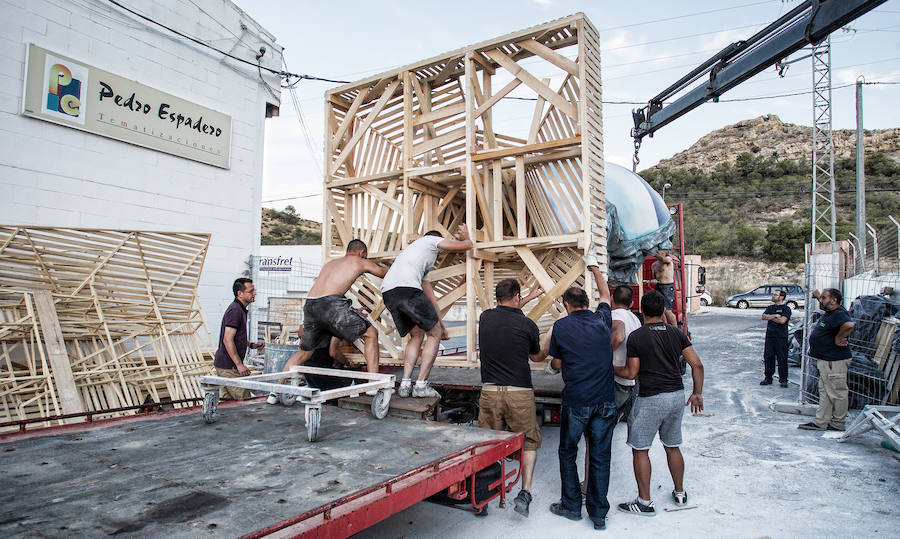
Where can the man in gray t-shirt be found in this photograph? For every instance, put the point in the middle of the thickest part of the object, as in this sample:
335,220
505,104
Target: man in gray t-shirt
413,306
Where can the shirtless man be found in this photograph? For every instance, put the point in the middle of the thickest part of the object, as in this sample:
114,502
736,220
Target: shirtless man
414,307
328,313
664,281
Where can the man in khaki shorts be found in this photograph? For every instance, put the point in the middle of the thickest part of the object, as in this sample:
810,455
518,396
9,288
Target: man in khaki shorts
507,340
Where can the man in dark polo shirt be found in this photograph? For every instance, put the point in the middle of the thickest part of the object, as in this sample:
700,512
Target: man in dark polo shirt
507,339
776,348
233,342
828,345
581,346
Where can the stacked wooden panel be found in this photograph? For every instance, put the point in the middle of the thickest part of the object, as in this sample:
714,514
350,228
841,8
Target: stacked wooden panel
420,148
98,319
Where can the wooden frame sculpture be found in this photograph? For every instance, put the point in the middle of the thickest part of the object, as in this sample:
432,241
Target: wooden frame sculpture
98,319
416,149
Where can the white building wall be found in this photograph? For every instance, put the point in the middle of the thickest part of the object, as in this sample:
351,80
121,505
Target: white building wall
51,175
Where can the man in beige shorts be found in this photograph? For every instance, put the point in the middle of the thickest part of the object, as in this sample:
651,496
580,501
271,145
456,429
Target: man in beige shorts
507,339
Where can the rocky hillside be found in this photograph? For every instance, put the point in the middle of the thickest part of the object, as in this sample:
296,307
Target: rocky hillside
767,136
287,228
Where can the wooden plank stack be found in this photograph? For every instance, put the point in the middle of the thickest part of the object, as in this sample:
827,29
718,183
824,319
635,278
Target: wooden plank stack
888,360
98,319
420,148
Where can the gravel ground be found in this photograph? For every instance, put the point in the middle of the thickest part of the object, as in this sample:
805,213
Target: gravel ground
748,468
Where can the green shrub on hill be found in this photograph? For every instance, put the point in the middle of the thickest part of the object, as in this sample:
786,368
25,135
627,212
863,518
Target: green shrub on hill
760,206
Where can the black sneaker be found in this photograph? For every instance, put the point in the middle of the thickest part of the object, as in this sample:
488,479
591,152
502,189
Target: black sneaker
600,524
522,501
637,507
784,384
558,509
810,426
679,497
766,382
829,427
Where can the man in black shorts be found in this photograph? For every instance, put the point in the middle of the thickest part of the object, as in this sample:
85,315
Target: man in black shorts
664,281
414,307
328,313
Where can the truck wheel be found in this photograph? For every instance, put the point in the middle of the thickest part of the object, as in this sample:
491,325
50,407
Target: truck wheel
210,404
313,415
742,304
792,305
381,403
703,302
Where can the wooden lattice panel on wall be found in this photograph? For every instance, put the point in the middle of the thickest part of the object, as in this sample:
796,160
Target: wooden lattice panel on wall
98,319
424,147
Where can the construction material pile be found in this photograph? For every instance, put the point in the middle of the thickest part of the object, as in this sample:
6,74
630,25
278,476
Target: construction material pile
94,320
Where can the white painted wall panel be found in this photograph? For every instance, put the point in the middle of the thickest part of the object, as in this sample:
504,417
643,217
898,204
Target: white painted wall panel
52,175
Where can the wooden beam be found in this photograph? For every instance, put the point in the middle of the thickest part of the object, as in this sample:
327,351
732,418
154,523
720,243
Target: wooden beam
532,82
55,346
528,148
550,55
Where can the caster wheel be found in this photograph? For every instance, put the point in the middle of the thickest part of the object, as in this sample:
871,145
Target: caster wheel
287,399
313,415
381,403
210,404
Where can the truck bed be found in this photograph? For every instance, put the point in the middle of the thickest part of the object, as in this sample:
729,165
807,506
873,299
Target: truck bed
176,476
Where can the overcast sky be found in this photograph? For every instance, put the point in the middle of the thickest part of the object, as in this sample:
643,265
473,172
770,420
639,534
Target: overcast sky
645,46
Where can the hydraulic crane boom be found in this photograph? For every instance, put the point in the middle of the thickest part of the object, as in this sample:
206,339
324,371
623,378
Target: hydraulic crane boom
808,23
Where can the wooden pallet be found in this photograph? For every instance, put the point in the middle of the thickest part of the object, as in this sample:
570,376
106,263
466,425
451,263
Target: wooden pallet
427,146
97,319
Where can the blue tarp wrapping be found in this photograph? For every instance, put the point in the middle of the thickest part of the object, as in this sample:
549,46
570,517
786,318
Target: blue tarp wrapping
638,222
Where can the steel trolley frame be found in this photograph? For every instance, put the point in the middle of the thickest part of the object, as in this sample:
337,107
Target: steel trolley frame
292,390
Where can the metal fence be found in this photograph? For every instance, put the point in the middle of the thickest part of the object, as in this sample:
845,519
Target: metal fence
281,288
868,275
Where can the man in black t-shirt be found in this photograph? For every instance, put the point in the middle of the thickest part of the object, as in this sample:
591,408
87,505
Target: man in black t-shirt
507,339
654,355
233,342
829,346
776,348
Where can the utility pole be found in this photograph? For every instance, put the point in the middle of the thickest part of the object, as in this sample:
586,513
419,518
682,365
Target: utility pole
860,179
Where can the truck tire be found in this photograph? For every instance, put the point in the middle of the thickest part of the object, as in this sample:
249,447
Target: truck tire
792,305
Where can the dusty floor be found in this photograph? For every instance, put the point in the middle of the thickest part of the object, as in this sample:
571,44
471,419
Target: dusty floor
749,469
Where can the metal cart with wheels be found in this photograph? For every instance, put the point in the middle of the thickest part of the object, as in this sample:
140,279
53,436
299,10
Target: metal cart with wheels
287,386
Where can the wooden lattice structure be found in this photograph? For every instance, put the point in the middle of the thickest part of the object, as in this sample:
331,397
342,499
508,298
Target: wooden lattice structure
417,148
98,319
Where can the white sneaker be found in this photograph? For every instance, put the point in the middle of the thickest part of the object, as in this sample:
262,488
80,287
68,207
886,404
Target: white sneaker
424,391
272,398
404,391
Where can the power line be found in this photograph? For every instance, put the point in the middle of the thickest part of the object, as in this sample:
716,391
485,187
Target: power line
308,195
284,74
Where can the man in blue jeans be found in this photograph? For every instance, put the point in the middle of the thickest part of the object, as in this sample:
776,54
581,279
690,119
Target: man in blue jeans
580,345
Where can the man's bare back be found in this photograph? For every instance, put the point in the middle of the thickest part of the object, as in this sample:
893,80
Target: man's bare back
338,275
663,269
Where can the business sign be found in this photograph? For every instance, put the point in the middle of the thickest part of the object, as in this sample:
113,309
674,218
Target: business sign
276,263
61,90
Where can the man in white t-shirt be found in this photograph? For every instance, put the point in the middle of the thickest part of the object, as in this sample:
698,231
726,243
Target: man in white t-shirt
414,307
624,322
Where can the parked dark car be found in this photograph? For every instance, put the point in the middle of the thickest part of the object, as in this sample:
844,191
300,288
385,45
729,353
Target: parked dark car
761,296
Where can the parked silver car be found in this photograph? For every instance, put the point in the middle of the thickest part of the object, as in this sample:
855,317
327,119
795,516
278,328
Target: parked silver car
761,296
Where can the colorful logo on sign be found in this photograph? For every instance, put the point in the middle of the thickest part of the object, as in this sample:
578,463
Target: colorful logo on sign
65,89
64,93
